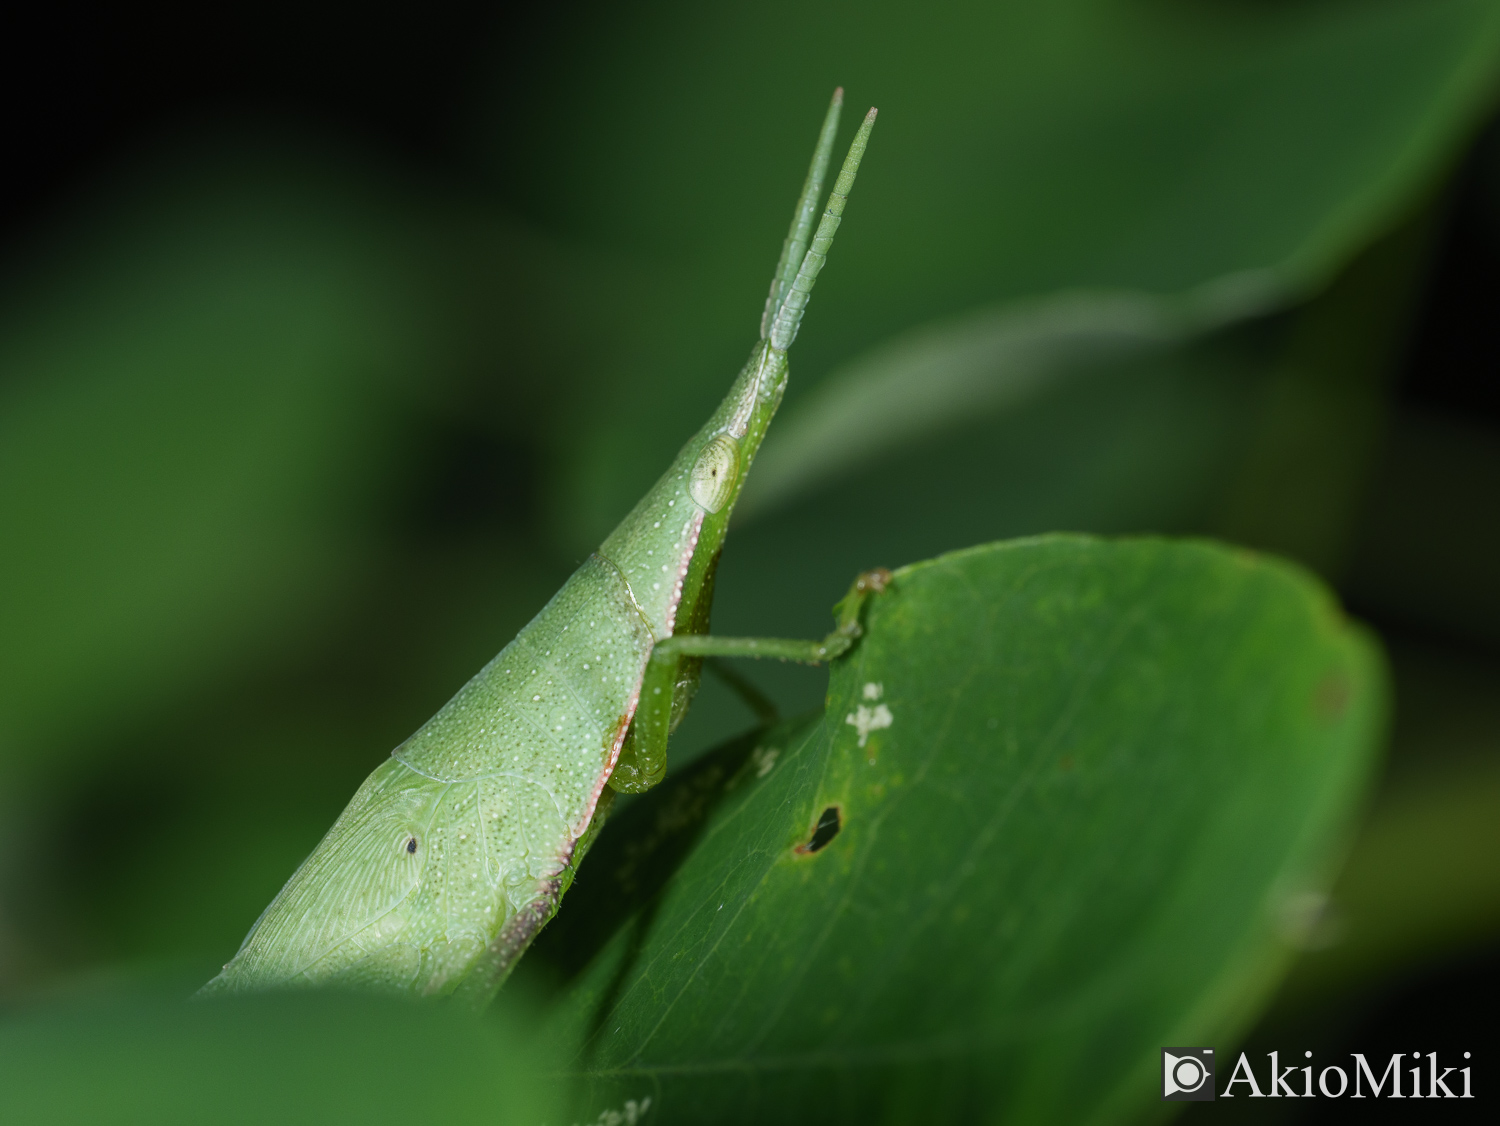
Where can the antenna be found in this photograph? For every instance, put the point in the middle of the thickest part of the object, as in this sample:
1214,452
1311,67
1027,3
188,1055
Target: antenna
795,246
789,315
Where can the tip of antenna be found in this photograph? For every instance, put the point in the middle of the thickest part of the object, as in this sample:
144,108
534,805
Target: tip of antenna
871,115
838,95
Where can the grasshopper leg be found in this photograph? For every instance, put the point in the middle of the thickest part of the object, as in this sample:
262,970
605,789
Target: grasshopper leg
829,648
643,758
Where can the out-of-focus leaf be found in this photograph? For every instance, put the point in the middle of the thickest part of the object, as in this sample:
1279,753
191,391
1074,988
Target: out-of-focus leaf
1023,149
190,407
311,1059
1082,790
1318,430
270,440
943,376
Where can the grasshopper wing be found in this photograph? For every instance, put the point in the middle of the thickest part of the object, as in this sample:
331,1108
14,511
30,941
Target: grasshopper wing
455,851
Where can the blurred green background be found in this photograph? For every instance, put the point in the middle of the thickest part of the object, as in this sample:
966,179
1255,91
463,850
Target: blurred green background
330,344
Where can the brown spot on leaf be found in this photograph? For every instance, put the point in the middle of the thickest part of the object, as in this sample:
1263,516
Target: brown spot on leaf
1331,697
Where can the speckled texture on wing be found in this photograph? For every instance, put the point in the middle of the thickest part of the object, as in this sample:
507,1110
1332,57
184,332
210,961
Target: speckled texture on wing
349,897
548,708
495,791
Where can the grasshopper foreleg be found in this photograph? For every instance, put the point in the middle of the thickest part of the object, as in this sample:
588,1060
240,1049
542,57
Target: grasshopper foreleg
643,758
833,646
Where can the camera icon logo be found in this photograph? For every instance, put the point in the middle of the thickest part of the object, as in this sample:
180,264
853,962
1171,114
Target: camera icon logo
1187,1074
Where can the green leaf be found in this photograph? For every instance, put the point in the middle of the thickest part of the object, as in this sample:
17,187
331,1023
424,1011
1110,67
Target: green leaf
1108,779
1023,150
193,398
309,1058
942,376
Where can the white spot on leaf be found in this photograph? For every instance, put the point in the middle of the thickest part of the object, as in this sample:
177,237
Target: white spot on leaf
865,720
764,759
628,1115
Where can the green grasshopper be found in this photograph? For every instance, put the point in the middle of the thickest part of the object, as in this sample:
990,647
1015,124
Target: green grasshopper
457,850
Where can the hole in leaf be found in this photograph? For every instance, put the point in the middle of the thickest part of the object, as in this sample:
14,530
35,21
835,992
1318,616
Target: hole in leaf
829,824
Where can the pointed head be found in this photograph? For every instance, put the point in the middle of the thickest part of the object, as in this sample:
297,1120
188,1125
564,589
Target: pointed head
666,546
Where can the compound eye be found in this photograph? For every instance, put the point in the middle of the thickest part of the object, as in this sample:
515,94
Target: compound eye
714,473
